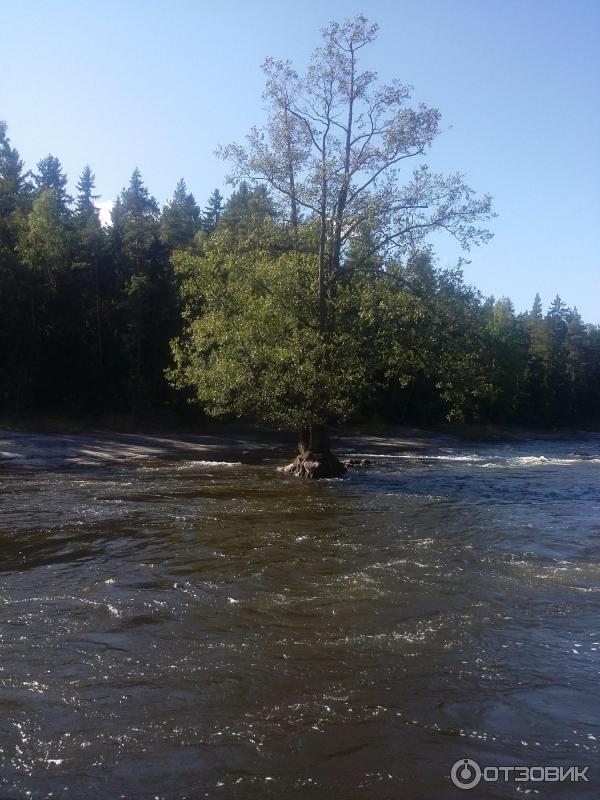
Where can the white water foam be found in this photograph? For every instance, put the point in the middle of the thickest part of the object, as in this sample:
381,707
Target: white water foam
485,461
201,464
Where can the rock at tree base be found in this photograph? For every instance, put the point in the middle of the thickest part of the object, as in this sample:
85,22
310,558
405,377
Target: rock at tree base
314,465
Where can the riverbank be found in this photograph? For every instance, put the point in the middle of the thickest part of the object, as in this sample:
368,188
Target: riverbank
56,449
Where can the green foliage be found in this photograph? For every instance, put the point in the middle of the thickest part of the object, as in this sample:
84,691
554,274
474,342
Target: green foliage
143,282
246,209
14,186
43,244
252,344
86,209
212,212
50,177
255,348
180,219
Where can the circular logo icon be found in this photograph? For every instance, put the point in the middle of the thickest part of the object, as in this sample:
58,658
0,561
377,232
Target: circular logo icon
465,773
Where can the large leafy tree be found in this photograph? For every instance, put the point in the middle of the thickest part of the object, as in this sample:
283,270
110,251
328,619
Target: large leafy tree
332,152
252,346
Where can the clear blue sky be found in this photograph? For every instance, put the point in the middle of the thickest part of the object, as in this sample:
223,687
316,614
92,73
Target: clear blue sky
161,84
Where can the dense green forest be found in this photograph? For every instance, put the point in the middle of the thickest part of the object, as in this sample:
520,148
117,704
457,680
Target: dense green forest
88,312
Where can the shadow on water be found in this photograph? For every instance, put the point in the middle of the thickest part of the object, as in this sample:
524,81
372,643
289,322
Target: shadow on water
188,629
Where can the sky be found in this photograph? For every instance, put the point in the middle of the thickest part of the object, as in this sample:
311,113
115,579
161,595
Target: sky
159,85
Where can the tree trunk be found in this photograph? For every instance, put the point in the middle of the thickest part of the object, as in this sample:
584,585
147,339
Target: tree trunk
314,459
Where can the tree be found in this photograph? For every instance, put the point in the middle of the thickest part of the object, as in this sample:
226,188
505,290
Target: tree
536,308
144,281
577,367
15,199
247,207
212,212
43,252
136,251
180,219
139,224
252,345
331,152
87,288
44,240
14,185
50,177
508,349
85,207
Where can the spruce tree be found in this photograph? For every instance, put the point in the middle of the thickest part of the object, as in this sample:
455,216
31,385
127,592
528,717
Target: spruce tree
89,287
536,308
85,206
50,177
212,212
147,306
180,219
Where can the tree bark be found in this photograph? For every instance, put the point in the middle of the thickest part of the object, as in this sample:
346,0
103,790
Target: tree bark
314,459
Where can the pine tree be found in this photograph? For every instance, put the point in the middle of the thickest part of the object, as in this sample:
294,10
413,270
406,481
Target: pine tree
508,344
557,323
50,176
212,212
14,186
88,288
85,206
577,367
180,219
536,395
536,308
139,222
144,278
246,208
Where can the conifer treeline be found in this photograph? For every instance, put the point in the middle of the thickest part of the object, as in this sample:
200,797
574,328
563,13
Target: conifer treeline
88,312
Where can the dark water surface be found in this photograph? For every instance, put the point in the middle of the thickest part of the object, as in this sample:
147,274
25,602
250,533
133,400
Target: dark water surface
197,629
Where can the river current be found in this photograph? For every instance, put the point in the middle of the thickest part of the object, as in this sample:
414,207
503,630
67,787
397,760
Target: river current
189,629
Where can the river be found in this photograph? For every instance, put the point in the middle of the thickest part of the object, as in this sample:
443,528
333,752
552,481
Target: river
188,628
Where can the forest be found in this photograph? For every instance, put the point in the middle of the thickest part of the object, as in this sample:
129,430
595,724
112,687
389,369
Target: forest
311,296
89,312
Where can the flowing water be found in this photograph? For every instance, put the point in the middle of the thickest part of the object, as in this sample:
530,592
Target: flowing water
200,629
